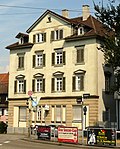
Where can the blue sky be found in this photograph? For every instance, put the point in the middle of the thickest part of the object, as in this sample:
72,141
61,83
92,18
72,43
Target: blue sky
14,20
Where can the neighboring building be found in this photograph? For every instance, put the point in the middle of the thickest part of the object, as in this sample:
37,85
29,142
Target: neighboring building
59,61
4,77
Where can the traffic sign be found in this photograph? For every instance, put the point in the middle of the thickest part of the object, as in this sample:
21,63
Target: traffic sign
30,93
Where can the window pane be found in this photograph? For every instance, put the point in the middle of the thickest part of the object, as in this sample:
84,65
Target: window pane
38,85
77,113
58,113
58,84
39,60
20,86
22,114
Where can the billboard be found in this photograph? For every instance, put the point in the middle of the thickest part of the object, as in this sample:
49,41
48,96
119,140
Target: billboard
68,134
101,136
43,132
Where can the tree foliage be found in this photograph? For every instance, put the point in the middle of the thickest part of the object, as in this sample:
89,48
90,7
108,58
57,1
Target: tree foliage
110,17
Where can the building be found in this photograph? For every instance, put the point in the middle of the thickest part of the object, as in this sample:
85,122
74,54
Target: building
59,60
4,78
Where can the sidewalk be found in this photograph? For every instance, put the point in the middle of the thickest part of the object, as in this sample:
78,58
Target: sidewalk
33,138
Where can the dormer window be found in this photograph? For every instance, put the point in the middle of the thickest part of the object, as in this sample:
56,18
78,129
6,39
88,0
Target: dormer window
21,40
80,31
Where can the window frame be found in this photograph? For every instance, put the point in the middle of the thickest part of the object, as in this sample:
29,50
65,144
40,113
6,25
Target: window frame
40,37
25,116
21,61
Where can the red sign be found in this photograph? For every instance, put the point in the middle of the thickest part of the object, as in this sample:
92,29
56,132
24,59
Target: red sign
30,93
68,134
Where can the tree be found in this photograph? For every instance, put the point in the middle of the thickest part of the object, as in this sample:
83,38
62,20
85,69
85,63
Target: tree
110,17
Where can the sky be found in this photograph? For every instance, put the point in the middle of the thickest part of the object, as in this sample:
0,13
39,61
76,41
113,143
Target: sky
18,15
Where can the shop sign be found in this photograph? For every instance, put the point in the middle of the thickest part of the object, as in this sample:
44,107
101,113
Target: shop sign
101,137
68,134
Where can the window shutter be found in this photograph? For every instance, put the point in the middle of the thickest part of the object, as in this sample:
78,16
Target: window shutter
24,86
61,34
15,86
43,85
82,83
18,62
43,59
44,37
53,85
81,55
34,61
53,58
64,57
78,55
34,38
33,85
52,35
74,83
23,62
63,84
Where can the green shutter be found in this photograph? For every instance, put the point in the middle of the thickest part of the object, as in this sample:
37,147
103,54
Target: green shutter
82,83
15,86
53,58
63,84
53,84
52,35
44,37
34,61
33,85
24,86
61,34
74,83
43,59
43,85
64,57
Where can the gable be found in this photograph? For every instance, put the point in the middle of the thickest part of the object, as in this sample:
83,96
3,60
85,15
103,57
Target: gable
44,20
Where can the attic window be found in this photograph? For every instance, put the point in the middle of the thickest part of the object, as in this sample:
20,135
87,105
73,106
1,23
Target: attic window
49,19
80,31
21,40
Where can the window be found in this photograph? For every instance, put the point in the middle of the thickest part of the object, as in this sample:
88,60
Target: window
20,61
78,82
80,54
20,84
39,59
58,114
38,83
80,31
107,83
22,114
56,35
58,84
40,37
77,113
58,57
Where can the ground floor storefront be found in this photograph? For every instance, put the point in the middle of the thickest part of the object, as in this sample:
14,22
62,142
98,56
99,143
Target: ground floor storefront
67,111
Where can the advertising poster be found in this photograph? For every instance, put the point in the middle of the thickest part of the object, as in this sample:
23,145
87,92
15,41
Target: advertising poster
101,136
43,132
68,134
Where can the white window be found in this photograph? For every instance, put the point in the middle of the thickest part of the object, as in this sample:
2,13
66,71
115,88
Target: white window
20,86
78,82
39,85
57,34
39,60
22,114
80,31
59,57
40,37
77,113
59,82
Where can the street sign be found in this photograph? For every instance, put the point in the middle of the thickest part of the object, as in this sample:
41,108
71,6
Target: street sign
30,93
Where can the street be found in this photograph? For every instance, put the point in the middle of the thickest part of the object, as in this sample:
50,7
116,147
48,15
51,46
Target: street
18,142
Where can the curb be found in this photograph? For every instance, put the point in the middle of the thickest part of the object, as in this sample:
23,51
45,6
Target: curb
67,144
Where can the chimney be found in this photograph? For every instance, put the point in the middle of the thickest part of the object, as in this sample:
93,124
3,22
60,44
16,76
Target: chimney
85,12
65,13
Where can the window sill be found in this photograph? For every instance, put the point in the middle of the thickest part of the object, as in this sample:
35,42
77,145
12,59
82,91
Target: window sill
39,92
39,67
39,42
20,93
82,63
77,90
77,121
58,65
57,91
57,39
20,69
